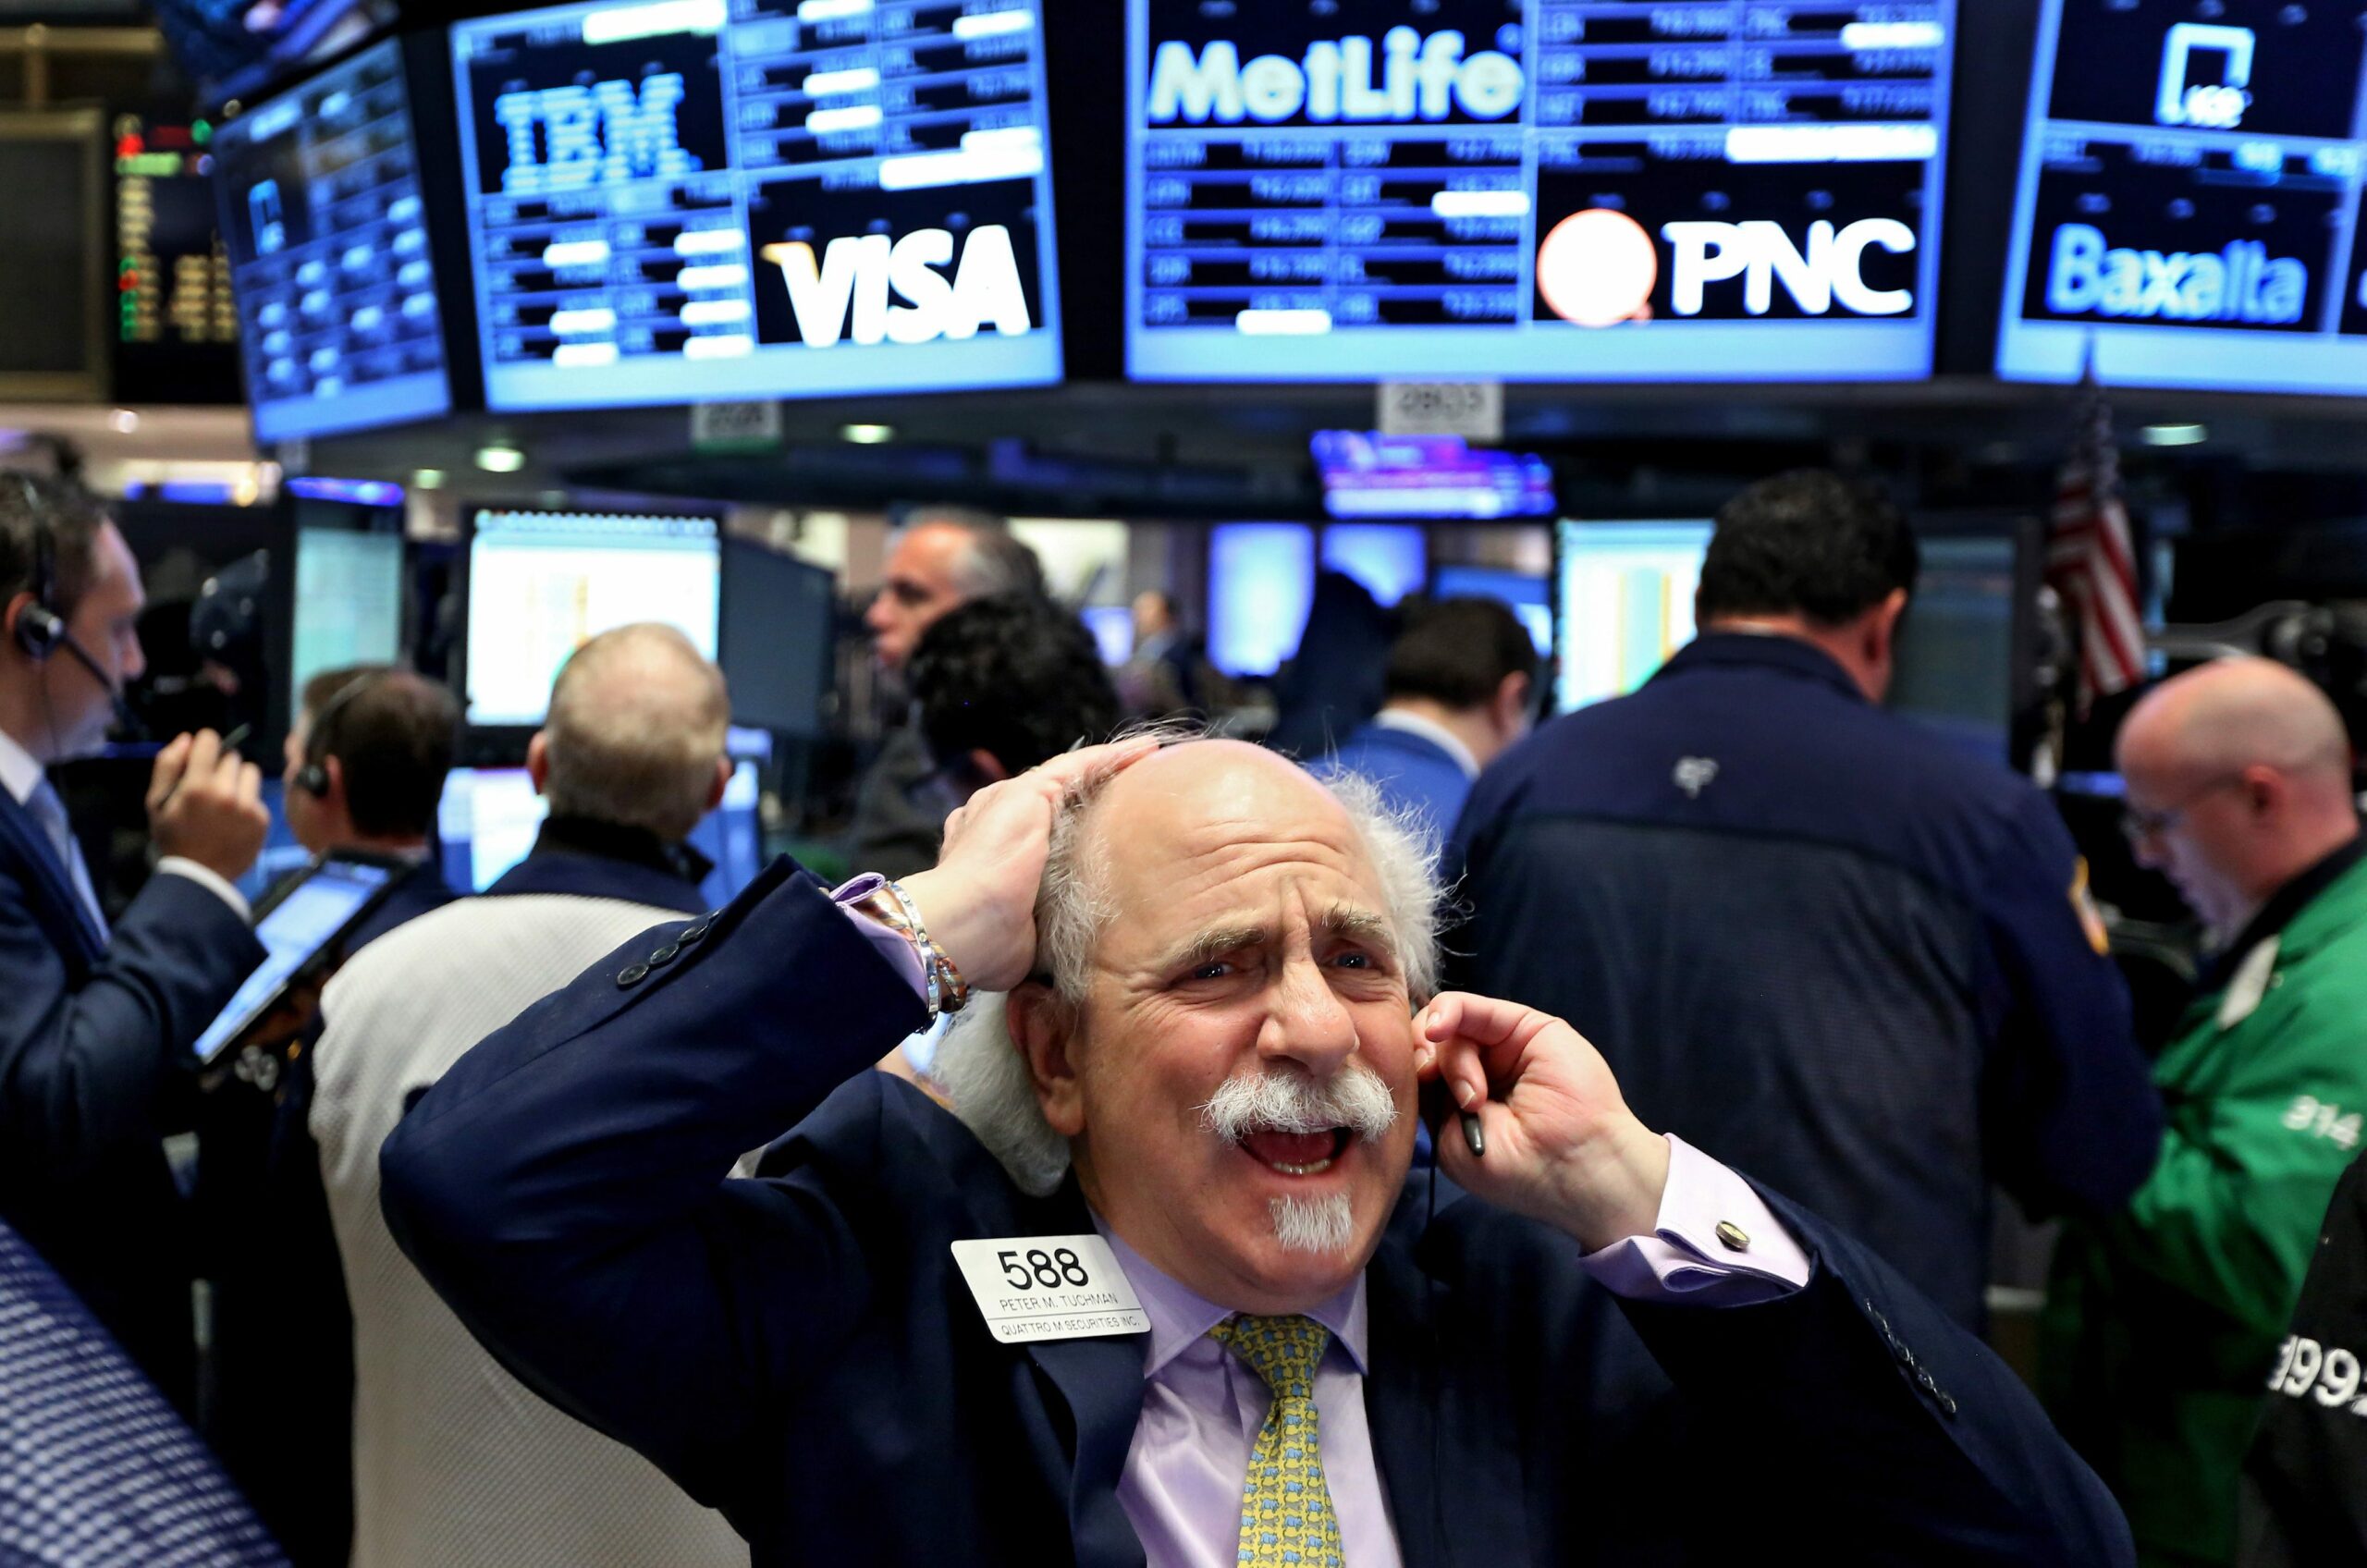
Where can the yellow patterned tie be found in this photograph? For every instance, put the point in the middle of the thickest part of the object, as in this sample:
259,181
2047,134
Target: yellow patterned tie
1286,1514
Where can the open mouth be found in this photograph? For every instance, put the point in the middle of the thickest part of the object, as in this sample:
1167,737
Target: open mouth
1297,1154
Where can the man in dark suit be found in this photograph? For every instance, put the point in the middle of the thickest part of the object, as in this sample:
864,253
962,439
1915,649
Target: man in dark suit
1199,1092
1462,687
95,1027
366,762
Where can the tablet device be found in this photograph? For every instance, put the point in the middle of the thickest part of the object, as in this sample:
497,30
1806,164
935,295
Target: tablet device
299,924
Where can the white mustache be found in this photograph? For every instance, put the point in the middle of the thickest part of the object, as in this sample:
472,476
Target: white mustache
1287,1101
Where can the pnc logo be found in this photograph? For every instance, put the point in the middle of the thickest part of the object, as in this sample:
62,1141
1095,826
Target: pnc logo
2208,106
847,294
1600,267
1417,78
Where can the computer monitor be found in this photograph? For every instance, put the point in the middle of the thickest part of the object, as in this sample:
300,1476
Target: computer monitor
1527,596
1622,603
489,817
1389,558
542,583
1564,192
323,217
1967,655
1261,585
2193,180
780,638
1113,631
1366,475
348,603
689,200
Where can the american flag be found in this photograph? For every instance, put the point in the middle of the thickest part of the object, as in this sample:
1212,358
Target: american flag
2089,562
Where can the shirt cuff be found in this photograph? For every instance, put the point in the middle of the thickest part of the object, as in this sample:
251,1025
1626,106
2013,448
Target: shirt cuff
1689,1259
209,880
889,945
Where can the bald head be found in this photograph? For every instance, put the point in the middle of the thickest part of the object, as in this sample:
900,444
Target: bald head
1195,814
636,732
2236,714
2240,778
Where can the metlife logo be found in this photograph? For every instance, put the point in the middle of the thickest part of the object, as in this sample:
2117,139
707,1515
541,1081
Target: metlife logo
1694,241
1377,63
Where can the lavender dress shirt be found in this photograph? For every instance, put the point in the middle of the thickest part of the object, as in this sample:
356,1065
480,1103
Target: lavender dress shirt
1202,1406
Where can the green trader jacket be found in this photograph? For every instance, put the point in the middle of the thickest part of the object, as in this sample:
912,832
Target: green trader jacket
2163,1323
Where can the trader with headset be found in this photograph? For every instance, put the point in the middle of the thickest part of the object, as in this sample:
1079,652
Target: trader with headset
95,1027
367,758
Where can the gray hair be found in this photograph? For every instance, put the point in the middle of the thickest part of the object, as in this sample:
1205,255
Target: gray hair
997,560
637,724
982,1070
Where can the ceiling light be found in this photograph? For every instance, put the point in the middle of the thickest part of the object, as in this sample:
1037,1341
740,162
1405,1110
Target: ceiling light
500,460
428,479
866,434
2176,435
123,421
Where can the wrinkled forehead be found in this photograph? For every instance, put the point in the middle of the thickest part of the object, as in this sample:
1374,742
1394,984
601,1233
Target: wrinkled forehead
1201,827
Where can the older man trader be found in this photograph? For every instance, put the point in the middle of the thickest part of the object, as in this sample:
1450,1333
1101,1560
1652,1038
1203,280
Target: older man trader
1213,965
2165,1317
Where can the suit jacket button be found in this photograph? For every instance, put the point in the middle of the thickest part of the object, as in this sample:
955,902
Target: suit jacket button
632,974
1924,1380
665,954
694,934
1948,1404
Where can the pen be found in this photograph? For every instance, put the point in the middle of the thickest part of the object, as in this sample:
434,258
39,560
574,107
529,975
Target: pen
230,741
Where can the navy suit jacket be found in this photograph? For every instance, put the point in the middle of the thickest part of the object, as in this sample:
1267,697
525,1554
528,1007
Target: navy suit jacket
1413,773
799,1350
94,1034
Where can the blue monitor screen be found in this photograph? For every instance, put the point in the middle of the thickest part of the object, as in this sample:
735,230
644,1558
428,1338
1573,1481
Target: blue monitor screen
1526,596
2190,192
329,256
488,818
1261,585
1389,559
1551,189
680,200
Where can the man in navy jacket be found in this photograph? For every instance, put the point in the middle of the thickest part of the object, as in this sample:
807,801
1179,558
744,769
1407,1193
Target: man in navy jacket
1203,1082
95,1027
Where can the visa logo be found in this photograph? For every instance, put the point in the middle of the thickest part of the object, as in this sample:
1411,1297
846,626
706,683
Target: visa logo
2242,283
846,293
1416,78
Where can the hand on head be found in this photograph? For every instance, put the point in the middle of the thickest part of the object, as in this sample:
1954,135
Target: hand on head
205,804
979,902
1562,1145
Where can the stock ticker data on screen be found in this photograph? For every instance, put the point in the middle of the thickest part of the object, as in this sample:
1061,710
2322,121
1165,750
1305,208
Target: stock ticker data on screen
329,255
2191,196
679,200
1560,190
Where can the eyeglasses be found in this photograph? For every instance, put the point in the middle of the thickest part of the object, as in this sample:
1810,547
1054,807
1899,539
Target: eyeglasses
2138,826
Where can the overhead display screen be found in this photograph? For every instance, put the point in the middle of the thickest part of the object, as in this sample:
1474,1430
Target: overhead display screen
2189,209
329,254
674,200
1534,189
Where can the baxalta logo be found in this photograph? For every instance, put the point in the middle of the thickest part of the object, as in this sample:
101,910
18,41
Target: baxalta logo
1599,267
2242,283
1417,78
847,294
2208,106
